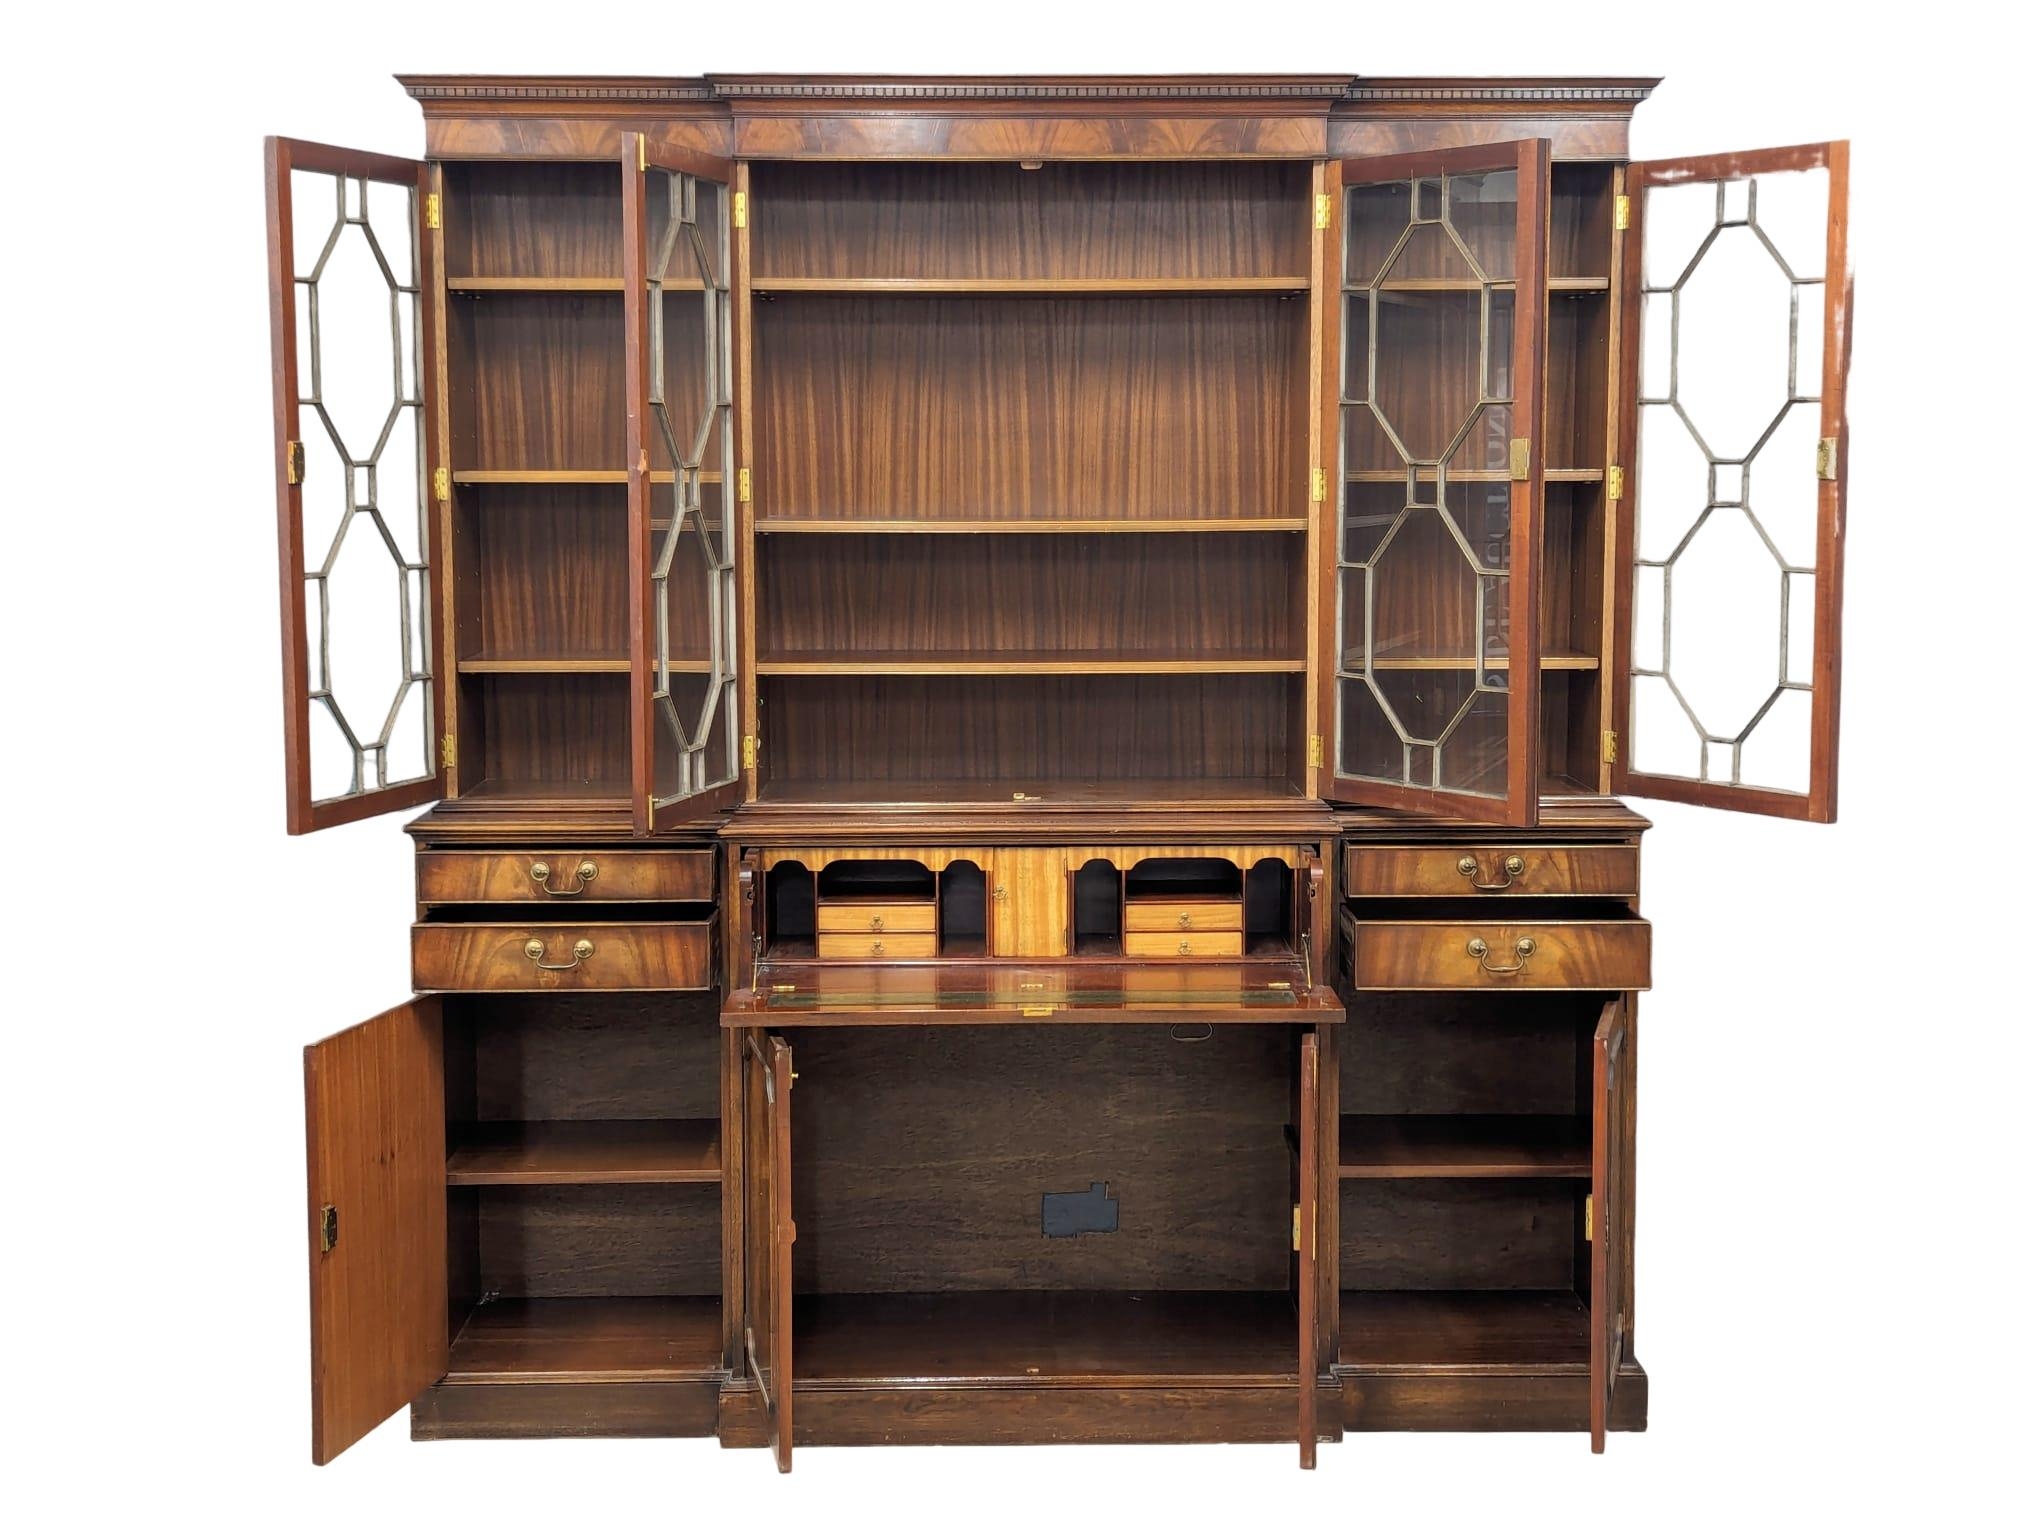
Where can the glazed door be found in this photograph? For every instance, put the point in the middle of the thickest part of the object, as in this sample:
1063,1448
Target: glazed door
1306,1275
1434,401
1614,1128
375,1155
353,313
1729,554
768,1232
679,362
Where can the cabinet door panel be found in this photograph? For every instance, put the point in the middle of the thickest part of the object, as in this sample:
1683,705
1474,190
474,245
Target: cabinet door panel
684,484
1307,1155
1608,1328
1435,402
375,1153
354,311
768,1231
1729,554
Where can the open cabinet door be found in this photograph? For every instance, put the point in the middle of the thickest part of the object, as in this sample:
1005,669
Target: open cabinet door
768,1232
680,361
1608,1197
1306,1254
353,313
1435,400
1729,550
375,1155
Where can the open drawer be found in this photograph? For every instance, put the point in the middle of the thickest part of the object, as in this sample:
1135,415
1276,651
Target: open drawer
596,949
1562,946
1249,992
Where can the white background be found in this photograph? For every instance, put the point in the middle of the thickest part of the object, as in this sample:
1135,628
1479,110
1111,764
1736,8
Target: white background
1837,1064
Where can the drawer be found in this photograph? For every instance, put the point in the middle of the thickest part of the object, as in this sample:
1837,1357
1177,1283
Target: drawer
599,874
1444,870
565,956
875,917
1185,917
1154,946
880,946
1597,955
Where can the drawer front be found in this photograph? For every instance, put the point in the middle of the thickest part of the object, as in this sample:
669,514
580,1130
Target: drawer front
1184,917
1599,956
875,917
875,946
544,957
599,874
1578,870
1154,946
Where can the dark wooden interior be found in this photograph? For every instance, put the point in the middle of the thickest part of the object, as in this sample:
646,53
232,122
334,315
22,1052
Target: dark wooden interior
1026,679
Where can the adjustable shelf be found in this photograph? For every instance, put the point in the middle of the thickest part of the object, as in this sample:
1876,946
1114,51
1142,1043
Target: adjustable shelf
1551,661
589,1339
1020,664
1033,287
1463,1329
1463,1147
520,284
844,525
568,477
585,1152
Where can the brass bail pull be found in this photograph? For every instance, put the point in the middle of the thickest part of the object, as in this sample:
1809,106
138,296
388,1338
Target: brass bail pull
541,874
1512,866
535,950
1478,948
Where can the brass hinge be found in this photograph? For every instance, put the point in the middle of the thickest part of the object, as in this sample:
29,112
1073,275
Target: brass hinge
1317,485
740,209
329,1228
293,463
1590,1218
743,485
644,158
447,755
1824,459
1615,482
1621,213
432,210
442,484
750,751
1519,458
1317,752
1321,211
651,808
1607,746
1296,1229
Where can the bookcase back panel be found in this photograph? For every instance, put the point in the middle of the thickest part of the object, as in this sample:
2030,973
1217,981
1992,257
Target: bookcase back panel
584,1057
897,1186
535,219
1451,1053
1458,1234
549,571
1120,594
594,1240
1031,408
566,733
1062,220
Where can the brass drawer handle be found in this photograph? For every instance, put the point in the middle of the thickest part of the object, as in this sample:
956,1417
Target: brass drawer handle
542,872
583,948
1478,948
878,925
1512,866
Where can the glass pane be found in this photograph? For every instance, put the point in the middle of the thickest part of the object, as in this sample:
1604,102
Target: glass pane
1423,595
363,500
693,598
1727,509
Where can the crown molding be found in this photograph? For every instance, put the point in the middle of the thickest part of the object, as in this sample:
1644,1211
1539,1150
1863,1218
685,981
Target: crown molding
1588,91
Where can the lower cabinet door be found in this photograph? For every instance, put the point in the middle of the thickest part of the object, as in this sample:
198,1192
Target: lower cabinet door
1306,1237
375,1156
767,1078
1607,1220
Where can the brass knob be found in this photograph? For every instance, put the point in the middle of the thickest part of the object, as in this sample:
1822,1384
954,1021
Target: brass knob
1182,946
1513,864
1468,867
878,925
1182,919
999,893
877,947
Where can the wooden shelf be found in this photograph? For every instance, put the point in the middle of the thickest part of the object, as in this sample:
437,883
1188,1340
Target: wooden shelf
1039,794
1462,1329
585,1152
1046,1338
556,285
1044,287
1553,285
1553,661
1064,525
567,477
541,665
1463,1147
589,1339
1476,477
1018,664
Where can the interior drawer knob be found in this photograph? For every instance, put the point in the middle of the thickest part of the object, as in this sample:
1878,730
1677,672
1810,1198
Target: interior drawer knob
1182,919
877,947
583,948
1182,946
878,925
541,872
1478,948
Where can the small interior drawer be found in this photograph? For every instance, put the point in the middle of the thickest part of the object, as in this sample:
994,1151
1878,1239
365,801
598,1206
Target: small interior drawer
589,875
1606,952
590,951
1149,946
875,917
1185,917
875,946
1486,870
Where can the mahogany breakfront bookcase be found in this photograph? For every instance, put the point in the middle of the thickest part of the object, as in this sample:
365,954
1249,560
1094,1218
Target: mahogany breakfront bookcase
1102,618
